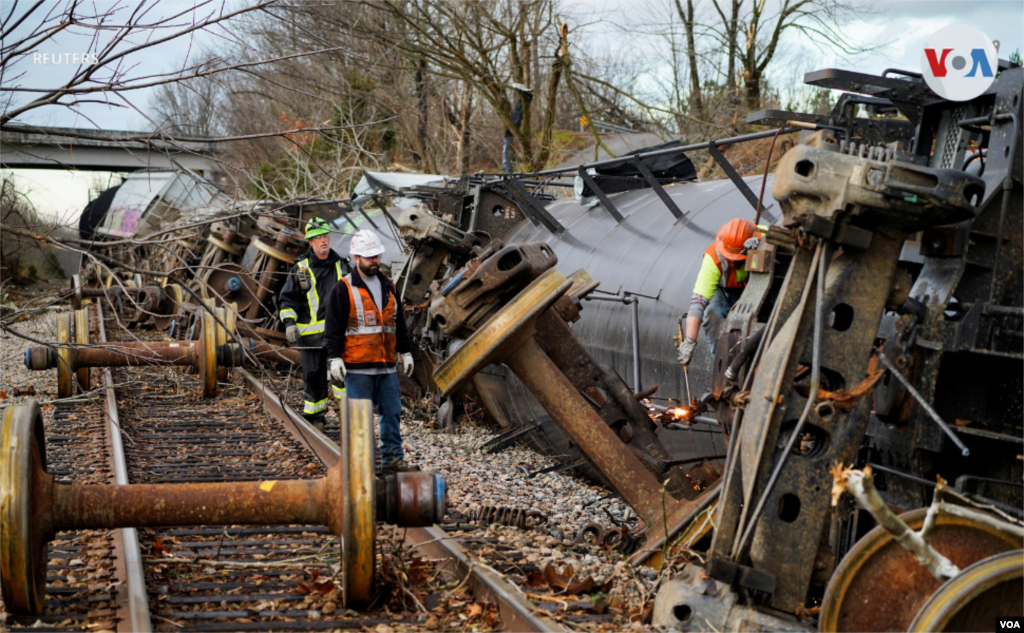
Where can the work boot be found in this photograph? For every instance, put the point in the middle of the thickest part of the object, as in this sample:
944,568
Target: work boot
317,423
399,466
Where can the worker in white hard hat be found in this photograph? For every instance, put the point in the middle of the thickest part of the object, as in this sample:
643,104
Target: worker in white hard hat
366,336
303,308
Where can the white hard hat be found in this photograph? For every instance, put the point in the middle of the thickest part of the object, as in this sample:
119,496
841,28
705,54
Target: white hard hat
365,243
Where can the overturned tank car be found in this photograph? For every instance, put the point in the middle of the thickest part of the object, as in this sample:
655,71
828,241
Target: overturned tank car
881,329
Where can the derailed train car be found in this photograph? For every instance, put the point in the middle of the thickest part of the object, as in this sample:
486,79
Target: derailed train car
646,265
889,287
882,328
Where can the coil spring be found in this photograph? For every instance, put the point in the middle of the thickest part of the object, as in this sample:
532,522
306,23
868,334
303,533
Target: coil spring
516,517
870,152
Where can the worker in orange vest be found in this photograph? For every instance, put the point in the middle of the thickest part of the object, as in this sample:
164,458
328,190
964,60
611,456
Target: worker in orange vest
366,335
720,283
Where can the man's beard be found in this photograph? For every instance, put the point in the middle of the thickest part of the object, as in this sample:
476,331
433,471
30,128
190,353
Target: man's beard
368,270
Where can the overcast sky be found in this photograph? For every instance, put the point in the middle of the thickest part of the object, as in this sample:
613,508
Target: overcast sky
903,26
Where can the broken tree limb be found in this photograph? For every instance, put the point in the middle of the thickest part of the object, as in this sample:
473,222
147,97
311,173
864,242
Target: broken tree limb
1007,524
861,485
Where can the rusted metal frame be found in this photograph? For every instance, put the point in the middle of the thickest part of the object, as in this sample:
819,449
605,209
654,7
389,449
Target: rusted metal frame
529,206
577,366
328,452
609,206
602,446
733,175
731,513
517,614
739,549
787,546
130,595
650,555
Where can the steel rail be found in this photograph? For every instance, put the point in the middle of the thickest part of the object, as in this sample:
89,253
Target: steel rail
131,595
328,452
516,612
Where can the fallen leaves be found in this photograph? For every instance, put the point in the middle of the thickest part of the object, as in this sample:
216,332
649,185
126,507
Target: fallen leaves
566,581
313,586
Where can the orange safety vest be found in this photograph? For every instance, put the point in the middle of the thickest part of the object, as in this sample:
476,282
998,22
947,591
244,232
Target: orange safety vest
370,335
728,279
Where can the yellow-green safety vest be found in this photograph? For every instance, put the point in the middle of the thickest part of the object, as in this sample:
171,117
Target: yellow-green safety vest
315,326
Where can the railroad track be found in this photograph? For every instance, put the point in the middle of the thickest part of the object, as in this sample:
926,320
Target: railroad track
497,572
258,578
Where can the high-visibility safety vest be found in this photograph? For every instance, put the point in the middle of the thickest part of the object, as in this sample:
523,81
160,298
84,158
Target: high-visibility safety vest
370,334
734,276
315,325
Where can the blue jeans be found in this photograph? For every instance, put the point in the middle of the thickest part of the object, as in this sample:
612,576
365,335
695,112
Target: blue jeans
383,390
715,314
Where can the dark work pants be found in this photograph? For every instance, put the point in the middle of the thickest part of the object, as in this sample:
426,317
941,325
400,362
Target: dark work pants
717,312
314,378
386,395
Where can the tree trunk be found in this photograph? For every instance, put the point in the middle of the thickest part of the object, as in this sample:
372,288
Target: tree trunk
551,100
733,33
751,71
752,89
422,135
465,131
696,97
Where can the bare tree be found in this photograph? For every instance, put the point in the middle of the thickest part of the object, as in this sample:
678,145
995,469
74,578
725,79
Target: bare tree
818,21
190,107
488,46
118,32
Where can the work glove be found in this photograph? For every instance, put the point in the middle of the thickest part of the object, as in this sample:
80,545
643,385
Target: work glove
752,243
407,364
337,370
685,351
292,334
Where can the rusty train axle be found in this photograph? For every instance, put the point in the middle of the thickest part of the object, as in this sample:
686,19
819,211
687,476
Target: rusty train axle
349,501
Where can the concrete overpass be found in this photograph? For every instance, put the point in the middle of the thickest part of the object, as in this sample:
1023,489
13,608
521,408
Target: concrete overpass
34,147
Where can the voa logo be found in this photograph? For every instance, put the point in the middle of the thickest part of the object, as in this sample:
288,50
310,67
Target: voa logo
959,62
1009,623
